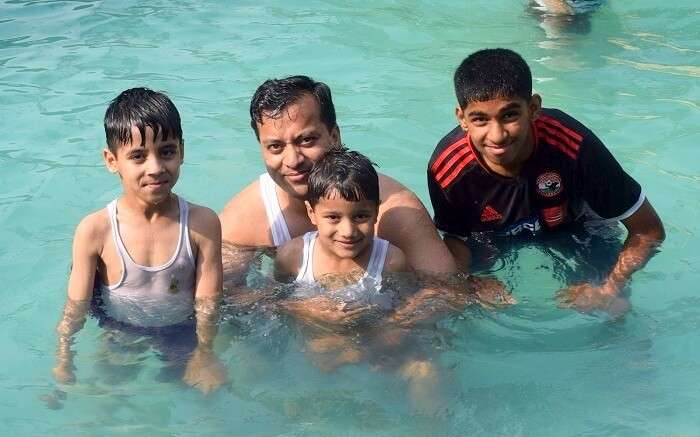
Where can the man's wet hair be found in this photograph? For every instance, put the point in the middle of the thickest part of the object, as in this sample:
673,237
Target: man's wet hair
275,95
141,107
492,73
343,173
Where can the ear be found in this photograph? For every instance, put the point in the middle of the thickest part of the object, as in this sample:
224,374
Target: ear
310,213
535,106
335,135
182,151
110,160
461,118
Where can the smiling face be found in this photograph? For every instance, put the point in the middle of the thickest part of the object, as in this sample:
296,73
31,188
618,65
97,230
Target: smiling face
150,170
500,131
292,142
345,228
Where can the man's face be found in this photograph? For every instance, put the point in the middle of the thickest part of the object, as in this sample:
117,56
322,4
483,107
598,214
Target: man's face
500,131
292,142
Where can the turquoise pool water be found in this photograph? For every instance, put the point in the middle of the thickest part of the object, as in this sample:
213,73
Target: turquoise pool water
631,73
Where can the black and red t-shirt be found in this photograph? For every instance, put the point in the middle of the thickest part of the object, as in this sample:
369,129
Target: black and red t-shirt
570,176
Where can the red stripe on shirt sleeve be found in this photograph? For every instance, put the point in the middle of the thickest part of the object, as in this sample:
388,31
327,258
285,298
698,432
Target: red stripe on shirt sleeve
554,122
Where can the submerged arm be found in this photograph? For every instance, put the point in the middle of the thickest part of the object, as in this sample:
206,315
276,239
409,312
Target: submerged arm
80,285
204,370
645,234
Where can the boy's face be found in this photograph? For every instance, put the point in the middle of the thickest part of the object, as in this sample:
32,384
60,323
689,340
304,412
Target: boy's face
292,143
500,130
345,229
147,171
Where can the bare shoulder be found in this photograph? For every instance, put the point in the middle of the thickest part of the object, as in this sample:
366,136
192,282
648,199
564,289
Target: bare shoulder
404,221
289,258
204,222
244,219
394,193
92,230
396,260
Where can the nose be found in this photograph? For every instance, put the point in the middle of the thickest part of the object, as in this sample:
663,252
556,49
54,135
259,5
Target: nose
292,157
154,165
346,228
497,134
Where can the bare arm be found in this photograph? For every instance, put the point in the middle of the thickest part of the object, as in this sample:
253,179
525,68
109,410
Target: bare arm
405,222
460,251
80,285
396,261
645,233
204,371
288,260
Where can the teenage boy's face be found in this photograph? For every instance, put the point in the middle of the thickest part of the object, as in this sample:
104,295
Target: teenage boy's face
291,143
345,229
500,130
147,171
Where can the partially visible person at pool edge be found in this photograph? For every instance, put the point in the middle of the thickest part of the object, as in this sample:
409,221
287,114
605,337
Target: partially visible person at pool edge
294,121
514,167
157,257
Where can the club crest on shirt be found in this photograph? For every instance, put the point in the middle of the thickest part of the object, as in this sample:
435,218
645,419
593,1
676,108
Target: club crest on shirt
549,184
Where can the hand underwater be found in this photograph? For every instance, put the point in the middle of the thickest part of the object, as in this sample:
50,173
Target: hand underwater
588,297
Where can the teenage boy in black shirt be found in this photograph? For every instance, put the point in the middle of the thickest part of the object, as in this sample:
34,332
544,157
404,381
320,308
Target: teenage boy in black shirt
512,166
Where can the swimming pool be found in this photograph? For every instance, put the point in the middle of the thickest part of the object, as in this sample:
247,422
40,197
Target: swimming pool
630,72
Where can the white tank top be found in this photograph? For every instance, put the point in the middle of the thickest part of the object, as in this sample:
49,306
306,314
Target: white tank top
275,218
374,267
152,296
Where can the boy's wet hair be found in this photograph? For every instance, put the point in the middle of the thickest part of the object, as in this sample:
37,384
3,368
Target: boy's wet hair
141,107
345,173
274,95
492,73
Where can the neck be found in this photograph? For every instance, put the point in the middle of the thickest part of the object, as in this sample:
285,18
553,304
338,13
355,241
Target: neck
329,262
294,204
148,210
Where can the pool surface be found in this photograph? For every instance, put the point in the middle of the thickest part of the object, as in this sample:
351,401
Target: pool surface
629,70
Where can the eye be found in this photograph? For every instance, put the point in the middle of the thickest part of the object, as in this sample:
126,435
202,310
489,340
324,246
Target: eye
168,151
362,217
308,139
332,218
136,156
511,115
478,120
275,148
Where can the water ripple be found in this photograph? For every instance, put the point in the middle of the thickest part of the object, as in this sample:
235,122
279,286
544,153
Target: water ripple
17,41
678,70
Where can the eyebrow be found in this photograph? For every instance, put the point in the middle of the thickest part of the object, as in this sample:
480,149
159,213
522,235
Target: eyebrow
505,108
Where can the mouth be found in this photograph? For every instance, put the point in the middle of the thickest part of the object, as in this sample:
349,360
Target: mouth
156,184
297,176
348,244
497,149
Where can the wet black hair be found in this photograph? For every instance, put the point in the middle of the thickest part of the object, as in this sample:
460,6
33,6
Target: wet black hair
492,73
274,95
140,107
348,173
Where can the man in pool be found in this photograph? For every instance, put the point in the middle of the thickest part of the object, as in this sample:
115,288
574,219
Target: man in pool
512,168
294,121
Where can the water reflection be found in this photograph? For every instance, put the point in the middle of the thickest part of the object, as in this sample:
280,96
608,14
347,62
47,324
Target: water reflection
560,18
